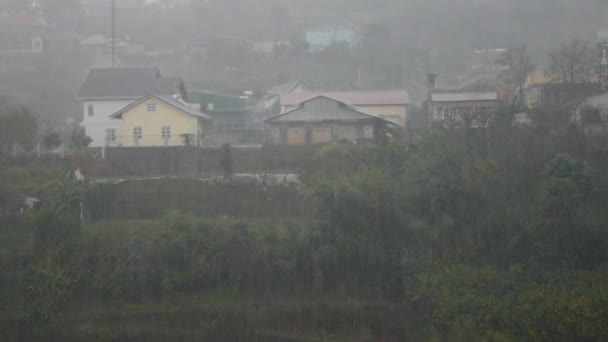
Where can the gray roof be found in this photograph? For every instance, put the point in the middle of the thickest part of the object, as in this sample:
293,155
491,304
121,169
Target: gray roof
172,101
602,35
599,101
127,83
464,97
323,108
285,88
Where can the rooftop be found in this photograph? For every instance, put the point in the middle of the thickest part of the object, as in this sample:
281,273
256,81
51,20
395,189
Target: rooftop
463,97
128,83
355,98
22,21
173,101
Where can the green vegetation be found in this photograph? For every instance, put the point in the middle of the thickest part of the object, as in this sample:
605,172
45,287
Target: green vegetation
494,234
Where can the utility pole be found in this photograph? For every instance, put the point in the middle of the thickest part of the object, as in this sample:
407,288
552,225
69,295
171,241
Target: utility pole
113,33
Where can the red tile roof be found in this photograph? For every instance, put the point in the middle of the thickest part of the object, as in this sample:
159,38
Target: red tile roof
21,21
355,98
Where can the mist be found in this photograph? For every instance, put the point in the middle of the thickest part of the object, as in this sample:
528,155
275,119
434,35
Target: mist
303,170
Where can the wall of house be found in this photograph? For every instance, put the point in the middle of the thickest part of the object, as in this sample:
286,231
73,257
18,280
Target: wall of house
445,107
151,124
296,135
321,133
96,125
396,114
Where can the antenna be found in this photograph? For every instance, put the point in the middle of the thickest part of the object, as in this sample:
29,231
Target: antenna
113,33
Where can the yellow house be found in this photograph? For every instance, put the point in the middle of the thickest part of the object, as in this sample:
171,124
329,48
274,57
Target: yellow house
156,120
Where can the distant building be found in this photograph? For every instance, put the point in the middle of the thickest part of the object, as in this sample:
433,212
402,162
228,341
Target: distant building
603,46
485,60
322,119
450,106
106,91
232,118
540,91
389,105
156,120
22,40
342,32
479,95
270,104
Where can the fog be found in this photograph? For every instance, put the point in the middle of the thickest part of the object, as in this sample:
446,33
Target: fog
303,170
423,36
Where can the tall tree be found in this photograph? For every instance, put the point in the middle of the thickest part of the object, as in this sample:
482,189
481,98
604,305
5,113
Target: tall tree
17,126
573,62
517,65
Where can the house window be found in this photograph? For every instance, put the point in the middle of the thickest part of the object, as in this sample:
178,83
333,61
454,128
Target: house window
165,132
37,44
91,110
151,107
283,135
111,135
137,133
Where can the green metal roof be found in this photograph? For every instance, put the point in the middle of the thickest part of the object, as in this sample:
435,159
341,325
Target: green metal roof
221,102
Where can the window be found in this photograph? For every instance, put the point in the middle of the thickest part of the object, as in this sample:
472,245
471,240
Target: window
111,135
137,132
151,107
37,44
165,132
91,110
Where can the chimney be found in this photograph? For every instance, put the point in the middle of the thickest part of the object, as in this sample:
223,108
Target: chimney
431,81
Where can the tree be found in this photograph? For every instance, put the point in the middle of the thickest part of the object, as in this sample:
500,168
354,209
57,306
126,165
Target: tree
80,139
51,141
517,65
227,161
574,62
17,126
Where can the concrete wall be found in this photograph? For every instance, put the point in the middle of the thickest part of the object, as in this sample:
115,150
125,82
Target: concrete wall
138,162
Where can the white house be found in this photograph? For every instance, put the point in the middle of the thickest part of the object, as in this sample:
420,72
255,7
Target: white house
106,91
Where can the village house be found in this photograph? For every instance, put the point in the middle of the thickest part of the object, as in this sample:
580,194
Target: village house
449,106
341,32
475,97
388,105
602,42
232,118
322,119
21,41
540,91
106,91
157,120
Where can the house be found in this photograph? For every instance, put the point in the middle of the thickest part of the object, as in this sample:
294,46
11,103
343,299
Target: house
602,41
322,119
477,96
541,91
158,120
232,118
341,32
106,91
21,42
270,106
593,111
389,105
455,105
